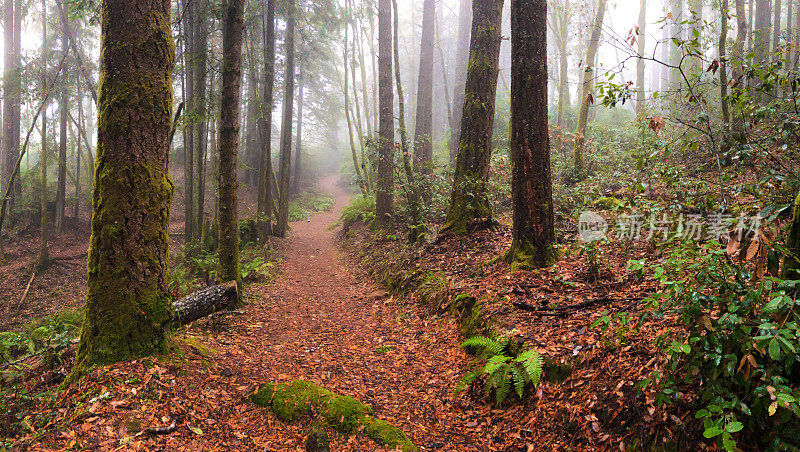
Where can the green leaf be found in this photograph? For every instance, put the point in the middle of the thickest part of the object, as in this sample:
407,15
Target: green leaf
734,427
728,443
774,349
712,431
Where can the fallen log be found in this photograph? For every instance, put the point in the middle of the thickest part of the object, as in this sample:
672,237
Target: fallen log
563,310
205,302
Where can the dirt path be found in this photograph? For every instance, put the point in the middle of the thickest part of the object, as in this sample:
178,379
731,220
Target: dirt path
322,322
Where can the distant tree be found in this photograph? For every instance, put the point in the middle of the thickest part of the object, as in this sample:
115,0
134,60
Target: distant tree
265,121
286,127
385,185
200,140
468,200
298,146
233,11
560,19
462,58
128,309
640,38
12,14
44,255
533,242
423,148
587,86
63,110
723,64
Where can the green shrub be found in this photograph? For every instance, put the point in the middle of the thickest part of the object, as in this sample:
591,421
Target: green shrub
740,344
361,209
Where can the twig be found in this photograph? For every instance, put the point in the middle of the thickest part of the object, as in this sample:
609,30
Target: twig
10,309
163,430
558,310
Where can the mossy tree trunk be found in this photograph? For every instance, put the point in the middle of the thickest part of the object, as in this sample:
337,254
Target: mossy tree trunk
265,121
462,59
229,141
468,201
286,127
188,142
11,100
128,309
201,106
533,241
385,185
423,148
587,86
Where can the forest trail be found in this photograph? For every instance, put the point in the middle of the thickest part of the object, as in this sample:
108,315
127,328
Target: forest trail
321,322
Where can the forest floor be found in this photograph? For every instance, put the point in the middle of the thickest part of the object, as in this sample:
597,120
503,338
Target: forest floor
321,321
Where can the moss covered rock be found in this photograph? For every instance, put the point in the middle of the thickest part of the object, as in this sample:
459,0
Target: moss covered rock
293,400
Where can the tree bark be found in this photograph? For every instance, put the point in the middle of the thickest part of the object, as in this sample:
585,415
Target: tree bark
587,86
11,100
286,127
563,74
201,106
78,153
723,64
385,186
188,144
265,129
533,233
468,200
205,302
423,148
230,93
462,59
128,311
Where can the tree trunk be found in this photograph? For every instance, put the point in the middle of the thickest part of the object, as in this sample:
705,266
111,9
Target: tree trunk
251,139
201,106
761,42
265,162
44,255
11,101
286,127
298,147
205,302
385,186
640,36
233,11
188,145
468,200
462,59
61,193
78,153
563,74
128,311
674,50
587,87
423,148
533,242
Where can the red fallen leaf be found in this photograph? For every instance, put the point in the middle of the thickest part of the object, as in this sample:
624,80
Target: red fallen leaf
590,99
713,67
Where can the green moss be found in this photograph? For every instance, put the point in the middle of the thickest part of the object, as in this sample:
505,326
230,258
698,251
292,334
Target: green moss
387,434
556,371
292,401
524,255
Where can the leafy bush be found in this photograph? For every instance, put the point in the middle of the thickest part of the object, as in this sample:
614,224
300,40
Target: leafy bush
48,336
309,201
742,346
361,209
500,369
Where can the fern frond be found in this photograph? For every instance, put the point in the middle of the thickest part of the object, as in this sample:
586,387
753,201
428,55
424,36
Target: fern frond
494,363
503,386
491,346
519,379
532,363
467,380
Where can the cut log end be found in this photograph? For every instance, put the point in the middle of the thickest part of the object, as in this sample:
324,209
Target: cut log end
205,302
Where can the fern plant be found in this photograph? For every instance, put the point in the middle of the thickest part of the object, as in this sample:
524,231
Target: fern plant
502,372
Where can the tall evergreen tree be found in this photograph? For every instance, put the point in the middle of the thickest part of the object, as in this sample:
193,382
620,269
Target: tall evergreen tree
385,186
423,148
128,309
286,126
229,140
468,200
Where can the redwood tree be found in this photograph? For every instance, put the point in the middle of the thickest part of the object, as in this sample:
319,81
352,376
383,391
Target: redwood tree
265,121
128,307
286,126
531,185
462,58
468,201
